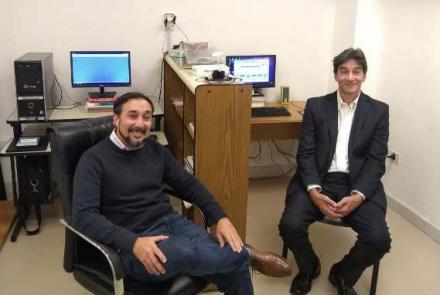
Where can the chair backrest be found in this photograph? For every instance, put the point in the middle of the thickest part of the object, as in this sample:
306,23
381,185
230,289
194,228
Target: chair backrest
68,142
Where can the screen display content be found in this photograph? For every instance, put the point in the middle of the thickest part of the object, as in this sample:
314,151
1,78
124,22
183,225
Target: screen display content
100,69
258,70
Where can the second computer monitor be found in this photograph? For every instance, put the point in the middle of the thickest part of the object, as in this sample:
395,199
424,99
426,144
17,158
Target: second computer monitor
258,70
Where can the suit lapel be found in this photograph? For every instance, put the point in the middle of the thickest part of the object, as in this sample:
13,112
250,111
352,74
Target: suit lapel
360,116
332,121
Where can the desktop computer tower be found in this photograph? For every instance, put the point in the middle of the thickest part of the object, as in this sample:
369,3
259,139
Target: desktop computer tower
33,82
34,178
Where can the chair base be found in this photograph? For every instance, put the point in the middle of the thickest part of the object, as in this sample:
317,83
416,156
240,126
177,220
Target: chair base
179,285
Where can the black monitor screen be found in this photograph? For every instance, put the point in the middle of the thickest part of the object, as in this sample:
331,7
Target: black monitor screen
258,70
100,68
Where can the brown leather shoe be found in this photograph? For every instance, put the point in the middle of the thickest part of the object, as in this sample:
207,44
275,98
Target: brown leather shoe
268,263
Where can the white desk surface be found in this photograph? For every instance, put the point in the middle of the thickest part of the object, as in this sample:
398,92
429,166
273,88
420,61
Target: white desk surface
3,151
79,113
188,77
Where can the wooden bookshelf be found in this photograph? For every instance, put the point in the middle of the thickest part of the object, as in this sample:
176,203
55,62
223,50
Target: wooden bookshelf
215,131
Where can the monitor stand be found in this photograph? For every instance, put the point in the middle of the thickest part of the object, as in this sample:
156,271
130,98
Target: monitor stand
102,93
257,92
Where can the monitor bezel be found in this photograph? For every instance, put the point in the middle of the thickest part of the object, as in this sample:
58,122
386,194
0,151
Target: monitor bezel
272,70
111,84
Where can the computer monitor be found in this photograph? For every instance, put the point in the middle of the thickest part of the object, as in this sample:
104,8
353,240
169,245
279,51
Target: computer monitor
258,70
100,69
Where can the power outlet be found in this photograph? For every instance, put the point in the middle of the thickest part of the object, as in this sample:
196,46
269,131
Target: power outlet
394,156
169,20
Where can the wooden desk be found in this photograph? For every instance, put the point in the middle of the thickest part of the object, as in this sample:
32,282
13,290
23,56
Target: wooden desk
269,128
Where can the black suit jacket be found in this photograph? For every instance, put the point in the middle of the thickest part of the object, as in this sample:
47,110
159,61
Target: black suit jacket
367,148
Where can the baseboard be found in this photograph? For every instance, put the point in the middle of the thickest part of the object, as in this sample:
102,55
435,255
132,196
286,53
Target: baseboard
414,218
263,171
8,189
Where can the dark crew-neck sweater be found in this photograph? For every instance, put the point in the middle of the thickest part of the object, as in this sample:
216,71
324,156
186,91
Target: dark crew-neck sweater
118,193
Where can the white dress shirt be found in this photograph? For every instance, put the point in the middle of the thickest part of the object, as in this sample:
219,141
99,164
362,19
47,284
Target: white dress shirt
340,158
345,121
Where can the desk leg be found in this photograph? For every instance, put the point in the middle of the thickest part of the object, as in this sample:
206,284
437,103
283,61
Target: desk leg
2,187
157,123
17,221
14,181
18,224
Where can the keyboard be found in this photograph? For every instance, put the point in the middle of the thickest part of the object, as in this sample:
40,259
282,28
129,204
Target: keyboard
269,112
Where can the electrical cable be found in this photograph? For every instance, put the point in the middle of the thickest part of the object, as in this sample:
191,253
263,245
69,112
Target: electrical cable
62,90
164,40
286,154
180,29
75,105
159,79
273,160
258,153
286,157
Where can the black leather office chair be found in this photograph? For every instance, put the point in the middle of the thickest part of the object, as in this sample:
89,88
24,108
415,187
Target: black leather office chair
96,266
339,222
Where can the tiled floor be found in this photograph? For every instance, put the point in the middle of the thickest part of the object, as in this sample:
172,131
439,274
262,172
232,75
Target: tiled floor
33,265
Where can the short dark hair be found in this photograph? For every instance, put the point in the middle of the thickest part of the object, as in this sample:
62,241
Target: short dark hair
350,53
121,100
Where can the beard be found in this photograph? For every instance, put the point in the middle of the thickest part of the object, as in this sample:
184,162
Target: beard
132,144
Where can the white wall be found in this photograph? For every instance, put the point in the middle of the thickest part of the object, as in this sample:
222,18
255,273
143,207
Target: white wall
343,33
409,79
298,31
403,48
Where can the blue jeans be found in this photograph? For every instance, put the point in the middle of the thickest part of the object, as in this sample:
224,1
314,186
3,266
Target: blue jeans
192,251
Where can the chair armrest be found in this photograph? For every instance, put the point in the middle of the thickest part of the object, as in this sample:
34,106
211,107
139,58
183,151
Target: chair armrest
110,254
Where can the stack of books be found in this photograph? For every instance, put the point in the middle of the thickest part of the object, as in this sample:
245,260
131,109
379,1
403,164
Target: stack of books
258,101
100,104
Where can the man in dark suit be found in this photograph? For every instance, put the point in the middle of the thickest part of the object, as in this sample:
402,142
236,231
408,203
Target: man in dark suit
341,159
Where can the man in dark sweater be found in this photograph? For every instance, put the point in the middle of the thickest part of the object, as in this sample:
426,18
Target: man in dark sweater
119,199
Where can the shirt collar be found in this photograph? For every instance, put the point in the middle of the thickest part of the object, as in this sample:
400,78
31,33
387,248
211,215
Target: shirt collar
352,105
115,139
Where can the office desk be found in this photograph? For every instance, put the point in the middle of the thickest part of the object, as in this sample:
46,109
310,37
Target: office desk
75,114
269,128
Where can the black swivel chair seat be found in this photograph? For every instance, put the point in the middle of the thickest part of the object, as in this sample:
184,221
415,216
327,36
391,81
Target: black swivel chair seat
95,266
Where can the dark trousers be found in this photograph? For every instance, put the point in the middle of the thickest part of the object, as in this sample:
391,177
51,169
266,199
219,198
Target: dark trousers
368,221
192,251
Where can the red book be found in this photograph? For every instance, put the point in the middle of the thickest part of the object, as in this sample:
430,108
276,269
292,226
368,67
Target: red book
101,99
